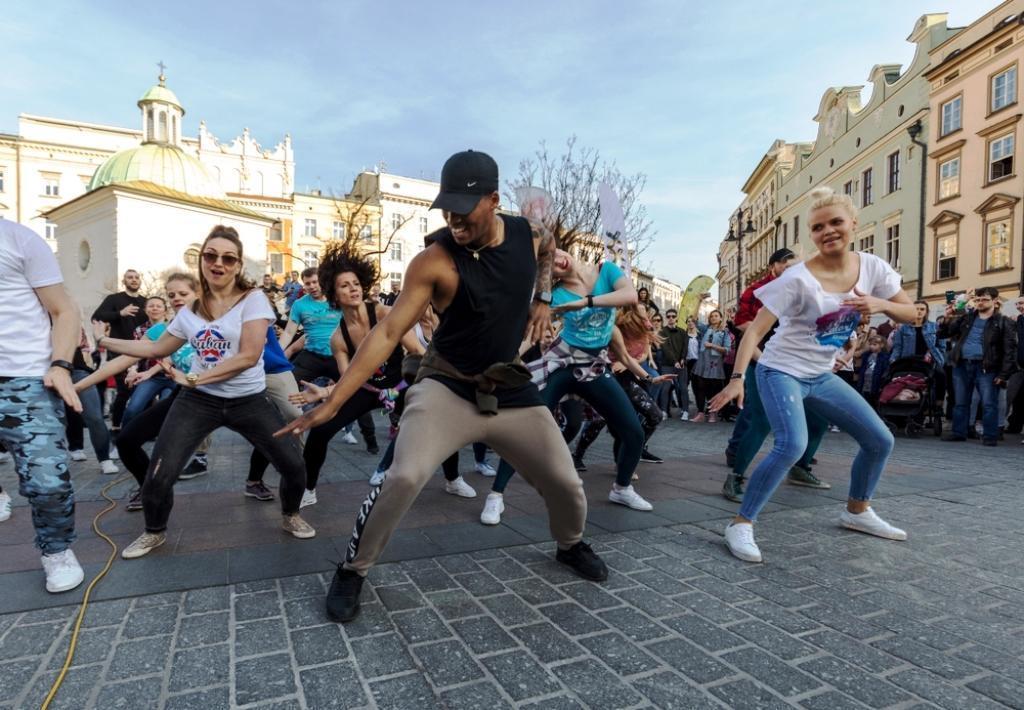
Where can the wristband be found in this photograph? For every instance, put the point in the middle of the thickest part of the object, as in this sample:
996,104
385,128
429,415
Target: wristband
736,376
590,301
64,365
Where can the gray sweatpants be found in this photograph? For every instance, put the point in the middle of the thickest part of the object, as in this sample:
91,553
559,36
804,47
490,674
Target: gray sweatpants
437,422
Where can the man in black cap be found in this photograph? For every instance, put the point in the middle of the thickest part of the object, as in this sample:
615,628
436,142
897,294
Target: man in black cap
489,277
752,426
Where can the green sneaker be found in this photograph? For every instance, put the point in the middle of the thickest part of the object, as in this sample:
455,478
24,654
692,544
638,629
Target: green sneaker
800,476
732,489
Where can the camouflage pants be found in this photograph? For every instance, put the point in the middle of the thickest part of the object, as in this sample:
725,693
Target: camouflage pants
32,427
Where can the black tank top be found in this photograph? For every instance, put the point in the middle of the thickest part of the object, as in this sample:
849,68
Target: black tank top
390,372
486,320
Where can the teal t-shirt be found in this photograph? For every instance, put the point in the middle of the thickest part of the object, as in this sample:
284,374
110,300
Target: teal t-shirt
589,327
318,320
180,358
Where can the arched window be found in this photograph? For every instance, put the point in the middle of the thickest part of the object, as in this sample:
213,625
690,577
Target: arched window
149,125
237,179
162,127
258,184
174,128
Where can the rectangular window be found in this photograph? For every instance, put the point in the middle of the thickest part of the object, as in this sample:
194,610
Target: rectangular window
848,188
51,186
997,245
796,229
946,253
1004,89
396,251
951,116
785,233
396,220
277,263
867,243
51,231
310,228
365,233
396,281
423,224
338,229
892,177
310,258
865,192
949,178
1000,158
892,245
1,179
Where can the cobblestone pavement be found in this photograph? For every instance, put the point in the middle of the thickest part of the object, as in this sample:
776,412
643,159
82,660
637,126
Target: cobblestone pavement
833,619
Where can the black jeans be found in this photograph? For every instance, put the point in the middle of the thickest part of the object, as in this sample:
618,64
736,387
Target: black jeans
120,402
309,366
137,432
193,416
363,402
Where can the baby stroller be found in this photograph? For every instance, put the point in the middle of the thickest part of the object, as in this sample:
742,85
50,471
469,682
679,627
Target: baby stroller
907,413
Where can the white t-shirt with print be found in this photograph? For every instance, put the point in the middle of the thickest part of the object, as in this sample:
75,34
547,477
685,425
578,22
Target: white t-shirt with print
26,263
812,322
217,340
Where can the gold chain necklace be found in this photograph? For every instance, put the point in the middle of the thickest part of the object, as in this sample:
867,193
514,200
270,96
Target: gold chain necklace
476,252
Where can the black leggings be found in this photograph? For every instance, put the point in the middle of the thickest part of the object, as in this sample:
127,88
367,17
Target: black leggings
363,402
704,389
137,432
572,412
643,404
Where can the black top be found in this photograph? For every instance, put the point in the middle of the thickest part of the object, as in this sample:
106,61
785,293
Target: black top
486,320
387,374
920,346
121,327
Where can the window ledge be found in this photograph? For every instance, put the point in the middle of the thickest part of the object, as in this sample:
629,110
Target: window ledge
946,199
948,278
944,136
1004,178
999,270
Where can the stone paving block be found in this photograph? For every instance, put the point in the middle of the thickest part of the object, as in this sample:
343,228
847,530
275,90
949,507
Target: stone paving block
455,604
669,691
210,699
151,621
78,684
458,564
595,685
334,687
636,626
256,585
841,621
35,640
535,591
772,639
400,597
320,644
372,619
849,649
404,692
199,601
53,614
106,613
483,634
480,584
1002,663
94,646
420,625
590,595
939,663
133,695
690,660
16,675
660,582
781,677
830,700
943,694
1002,690
560,702
264,678
520,676
547,643
854,682
473,697
936,636
198,667
703,633
382,655
307,611
505,569
306,585
619,654
257,606
432,579
203,629
651,602
510,610
254,638
139,657
448,663
573,619
711,608
744,694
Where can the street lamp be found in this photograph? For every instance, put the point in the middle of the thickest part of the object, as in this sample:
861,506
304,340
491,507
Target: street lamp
914,130
738,238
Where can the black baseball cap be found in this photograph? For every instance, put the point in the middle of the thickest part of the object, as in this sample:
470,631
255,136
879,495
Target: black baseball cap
782,254
465,178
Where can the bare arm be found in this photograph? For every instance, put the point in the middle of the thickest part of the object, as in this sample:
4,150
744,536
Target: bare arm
623,295
339,350
540,313
296,346
757,329
64,337
287,334
109,369
900,308
145,348
618,347
250,349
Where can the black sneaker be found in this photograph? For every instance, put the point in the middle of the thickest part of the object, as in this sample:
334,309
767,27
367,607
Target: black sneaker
950,436
648,457
732,489
135,501
730,458
800,476
343,596
584,562
371,446
195,468
578,463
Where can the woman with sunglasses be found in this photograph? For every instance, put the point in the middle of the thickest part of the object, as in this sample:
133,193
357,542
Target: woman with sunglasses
227,327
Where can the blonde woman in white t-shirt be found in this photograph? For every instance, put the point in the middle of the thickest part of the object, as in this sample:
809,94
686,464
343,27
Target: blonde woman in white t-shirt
818,305
227,327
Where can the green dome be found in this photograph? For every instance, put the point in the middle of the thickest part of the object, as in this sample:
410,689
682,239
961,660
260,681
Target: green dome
161,164
158,92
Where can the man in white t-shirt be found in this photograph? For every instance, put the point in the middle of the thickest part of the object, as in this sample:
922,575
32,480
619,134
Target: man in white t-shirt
39,329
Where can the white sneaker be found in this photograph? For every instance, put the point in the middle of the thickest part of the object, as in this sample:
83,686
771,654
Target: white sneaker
629,497
684,417
5,506
108,467
377,478
460,488
5,457
833,428
63,573
739,538
113,454
869,522
494,506
349,438
143,545
486,469
308,498
78,455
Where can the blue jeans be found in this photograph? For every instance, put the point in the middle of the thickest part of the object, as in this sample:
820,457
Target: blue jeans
785,399
32,428
92,417
144,393
966,375
679,385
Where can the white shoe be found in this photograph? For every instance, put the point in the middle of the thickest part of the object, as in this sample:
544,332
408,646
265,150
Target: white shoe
486,469
833,428
108,467
684,417
5,457
5,506
869,522
494,506
460,488
143,545
378,478
629,497
78,455
308,498
349,438
113,454
739,538
63,573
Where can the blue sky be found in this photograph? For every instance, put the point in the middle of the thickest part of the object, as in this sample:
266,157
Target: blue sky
690,93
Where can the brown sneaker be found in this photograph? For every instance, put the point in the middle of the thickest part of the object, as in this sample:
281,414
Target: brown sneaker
143,545
298,527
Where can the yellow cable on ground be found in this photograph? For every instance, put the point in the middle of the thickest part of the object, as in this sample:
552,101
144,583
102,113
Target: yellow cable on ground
88,590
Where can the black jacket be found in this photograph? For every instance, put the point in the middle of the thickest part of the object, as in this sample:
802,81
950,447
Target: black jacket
109,311
998,342
674,348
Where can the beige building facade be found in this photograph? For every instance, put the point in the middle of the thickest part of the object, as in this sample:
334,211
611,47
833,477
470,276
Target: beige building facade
974,213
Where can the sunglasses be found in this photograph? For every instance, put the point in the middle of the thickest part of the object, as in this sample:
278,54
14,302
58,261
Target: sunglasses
211,257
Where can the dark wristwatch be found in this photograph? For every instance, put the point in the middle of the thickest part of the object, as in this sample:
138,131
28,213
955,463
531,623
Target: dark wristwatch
590,301
64,365
736,376
543,296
